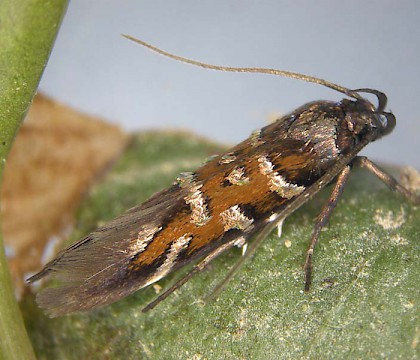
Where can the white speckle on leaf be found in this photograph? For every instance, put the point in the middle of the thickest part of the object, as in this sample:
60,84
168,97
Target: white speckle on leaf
399,240
388,220
410,178
408,305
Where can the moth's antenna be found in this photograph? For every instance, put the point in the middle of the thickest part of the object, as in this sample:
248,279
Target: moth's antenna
289,74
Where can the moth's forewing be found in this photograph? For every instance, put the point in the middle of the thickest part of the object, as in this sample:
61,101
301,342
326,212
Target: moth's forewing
233,196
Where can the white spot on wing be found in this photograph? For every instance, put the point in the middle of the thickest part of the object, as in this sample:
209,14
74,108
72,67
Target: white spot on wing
234,218
200,215
144,237
277,182
185,178
195,199
255,139
176,247
227,158
237,177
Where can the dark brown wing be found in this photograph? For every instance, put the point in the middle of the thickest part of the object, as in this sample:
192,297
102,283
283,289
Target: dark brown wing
92,271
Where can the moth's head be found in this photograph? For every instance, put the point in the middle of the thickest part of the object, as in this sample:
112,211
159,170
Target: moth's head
364,118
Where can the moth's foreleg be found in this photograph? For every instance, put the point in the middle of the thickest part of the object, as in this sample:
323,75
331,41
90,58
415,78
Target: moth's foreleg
386,178
322,220
197,268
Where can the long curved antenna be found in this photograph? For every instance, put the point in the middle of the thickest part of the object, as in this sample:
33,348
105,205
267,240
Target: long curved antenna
382,99
289,74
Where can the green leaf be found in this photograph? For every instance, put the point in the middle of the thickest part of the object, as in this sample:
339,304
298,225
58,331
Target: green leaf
363,303
27,32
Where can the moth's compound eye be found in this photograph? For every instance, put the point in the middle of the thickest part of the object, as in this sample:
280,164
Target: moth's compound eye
387,122
383,120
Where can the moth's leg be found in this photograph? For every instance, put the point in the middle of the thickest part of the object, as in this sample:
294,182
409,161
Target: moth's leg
280,228
257,241
386,178
197,268
322,220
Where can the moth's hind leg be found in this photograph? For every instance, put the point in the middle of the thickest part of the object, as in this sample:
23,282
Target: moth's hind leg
322,220
197,268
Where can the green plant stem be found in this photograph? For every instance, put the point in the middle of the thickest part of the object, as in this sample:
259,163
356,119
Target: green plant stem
27,32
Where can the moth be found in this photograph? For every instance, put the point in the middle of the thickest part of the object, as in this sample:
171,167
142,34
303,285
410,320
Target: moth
236,197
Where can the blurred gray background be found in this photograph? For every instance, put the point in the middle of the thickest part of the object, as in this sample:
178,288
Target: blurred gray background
354,43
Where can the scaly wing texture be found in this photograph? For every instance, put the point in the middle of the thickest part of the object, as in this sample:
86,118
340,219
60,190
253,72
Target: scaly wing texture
92,271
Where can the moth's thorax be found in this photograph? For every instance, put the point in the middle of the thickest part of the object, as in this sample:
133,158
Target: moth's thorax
330,129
